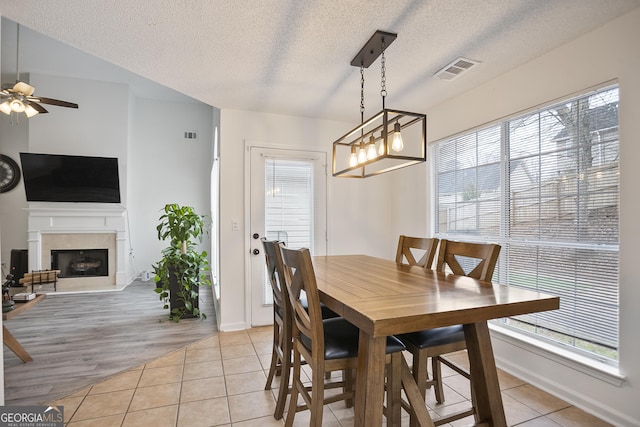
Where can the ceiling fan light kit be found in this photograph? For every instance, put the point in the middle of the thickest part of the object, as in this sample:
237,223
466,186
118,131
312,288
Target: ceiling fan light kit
391,139
19,98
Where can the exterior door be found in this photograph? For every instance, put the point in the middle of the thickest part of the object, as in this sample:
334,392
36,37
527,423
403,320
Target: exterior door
288,203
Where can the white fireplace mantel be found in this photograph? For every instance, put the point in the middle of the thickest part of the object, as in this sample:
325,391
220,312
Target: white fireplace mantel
77,220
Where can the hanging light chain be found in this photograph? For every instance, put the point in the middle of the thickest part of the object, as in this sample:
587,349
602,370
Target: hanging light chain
383,75
361,93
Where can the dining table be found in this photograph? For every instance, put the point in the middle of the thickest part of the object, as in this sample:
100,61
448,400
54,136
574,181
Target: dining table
383,298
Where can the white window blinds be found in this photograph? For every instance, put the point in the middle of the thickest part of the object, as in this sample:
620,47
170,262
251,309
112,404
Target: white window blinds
545,185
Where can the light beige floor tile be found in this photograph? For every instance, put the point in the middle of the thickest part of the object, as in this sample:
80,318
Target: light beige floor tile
574,417
102,405
70,404
240,350
155,396
508,381
239,365
516,412
263,347
245,383
212,341
124,381
536,399
261,335
267,421
204,413
251,405
157,417
539,422
204,354
194,371
205,388
165,375
172,359
110,421
234,338
82,392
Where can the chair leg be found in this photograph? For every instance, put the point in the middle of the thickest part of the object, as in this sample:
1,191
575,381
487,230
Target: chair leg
394,390
436,367
293,403
274,356
317,397
285,372
421,377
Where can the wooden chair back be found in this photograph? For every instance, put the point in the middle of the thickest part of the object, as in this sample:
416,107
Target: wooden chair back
482,256
299,277
275,274
410,247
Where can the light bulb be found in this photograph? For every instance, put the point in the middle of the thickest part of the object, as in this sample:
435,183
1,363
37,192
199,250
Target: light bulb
30,111
397,144
5,108
353,159
362,153
381,148
371,149
17,106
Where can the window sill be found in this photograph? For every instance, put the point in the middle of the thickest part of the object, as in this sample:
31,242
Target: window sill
591,367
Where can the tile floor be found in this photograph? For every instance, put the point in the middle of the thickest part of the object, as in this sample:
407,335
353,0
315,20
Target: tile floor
219,381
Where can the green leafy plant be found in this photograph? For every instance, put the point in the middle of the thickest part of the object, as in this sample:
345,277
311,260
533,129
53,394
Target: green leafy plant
182,269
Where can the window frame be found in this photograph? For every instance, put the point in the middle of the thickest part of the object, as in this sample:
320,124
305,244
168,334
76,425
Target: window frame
503,236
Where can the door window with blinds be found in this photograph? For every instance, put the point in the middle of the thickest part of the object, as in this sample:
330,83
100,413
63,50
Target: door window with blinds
293,200
544,185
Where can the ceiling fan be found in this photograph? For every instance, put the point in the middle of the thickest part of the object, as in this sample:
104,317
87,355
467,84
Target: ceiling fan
20,99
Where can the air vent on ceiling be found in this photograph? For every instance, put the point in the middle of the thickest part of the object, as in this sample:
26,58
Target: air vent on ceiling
455,68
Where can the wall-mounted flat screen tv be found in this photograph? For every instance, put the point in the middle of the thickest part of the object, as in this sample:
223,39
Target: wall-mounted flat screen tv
61,178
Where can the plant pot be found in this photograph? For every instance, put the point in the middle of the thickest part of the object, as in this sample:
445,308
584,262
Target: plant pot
175,302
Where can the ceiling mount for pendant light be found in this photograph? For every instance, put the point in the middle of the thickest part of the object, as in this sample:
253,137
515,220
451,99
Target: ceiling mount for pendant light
400,135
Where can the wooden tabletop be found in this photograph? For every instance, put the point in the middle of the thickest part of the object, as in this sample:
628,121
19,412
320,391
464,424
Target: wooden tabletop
387,298
384,298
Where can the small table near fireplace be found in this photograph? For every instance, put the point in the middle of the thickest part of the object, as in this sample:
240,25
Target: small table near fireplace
8,339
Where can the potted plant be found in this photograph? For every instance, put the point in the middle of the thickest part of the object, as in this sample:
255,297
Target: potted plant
181,271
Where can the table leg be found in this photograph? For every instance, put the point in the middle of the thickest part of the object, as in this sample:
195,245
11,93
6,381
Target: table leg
484,376
370,380
13,344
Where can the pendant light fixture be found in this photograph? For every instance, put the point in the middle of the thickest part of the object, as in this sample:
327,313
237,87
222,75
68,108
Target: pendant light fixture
389,140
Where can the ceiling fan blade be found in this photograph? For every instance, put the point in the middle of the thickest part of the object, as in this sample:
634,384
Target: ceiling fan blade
57,102
38,107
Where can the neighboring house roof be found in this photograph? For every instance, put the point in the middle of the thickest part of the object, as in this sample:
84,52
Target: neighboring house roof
486,178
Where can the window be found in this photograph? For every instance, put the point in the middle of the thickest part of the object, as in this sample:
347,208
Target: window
545,185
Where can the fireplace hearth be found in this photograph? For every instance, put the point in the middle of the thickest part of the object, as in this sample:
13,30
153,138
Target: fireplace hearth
80,262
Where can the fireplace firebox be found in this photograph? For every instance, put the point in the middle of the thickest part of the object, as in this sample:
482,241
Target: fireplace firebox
80,262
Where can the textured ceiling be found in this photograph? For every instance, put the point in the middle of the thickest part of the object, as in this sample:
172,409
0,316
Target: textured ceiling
293,56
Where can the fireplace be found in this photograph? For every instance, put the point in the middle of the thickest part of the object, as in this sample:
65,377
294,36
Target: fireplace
80,262
56,227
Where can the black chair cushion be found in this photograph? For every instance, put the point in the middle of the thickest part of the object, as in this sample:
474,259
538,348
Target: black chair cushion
433,337
341,340
327,313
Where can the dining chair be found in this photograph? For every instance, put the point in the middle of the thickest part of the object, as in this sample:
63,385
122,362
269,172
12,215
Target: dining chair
422,247
281,349
476,260
327,345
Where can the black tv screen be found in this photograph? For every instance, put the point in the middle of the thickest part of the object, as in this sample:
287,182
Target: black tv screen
61,178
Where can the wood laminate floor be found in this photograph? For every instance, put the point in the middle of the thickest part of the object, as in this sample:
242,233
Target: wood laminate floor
76,340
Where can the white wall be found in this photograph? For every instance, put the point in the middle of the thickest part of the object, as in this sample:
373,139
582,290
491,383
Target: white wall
610,52
156,164
358,210
166,168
